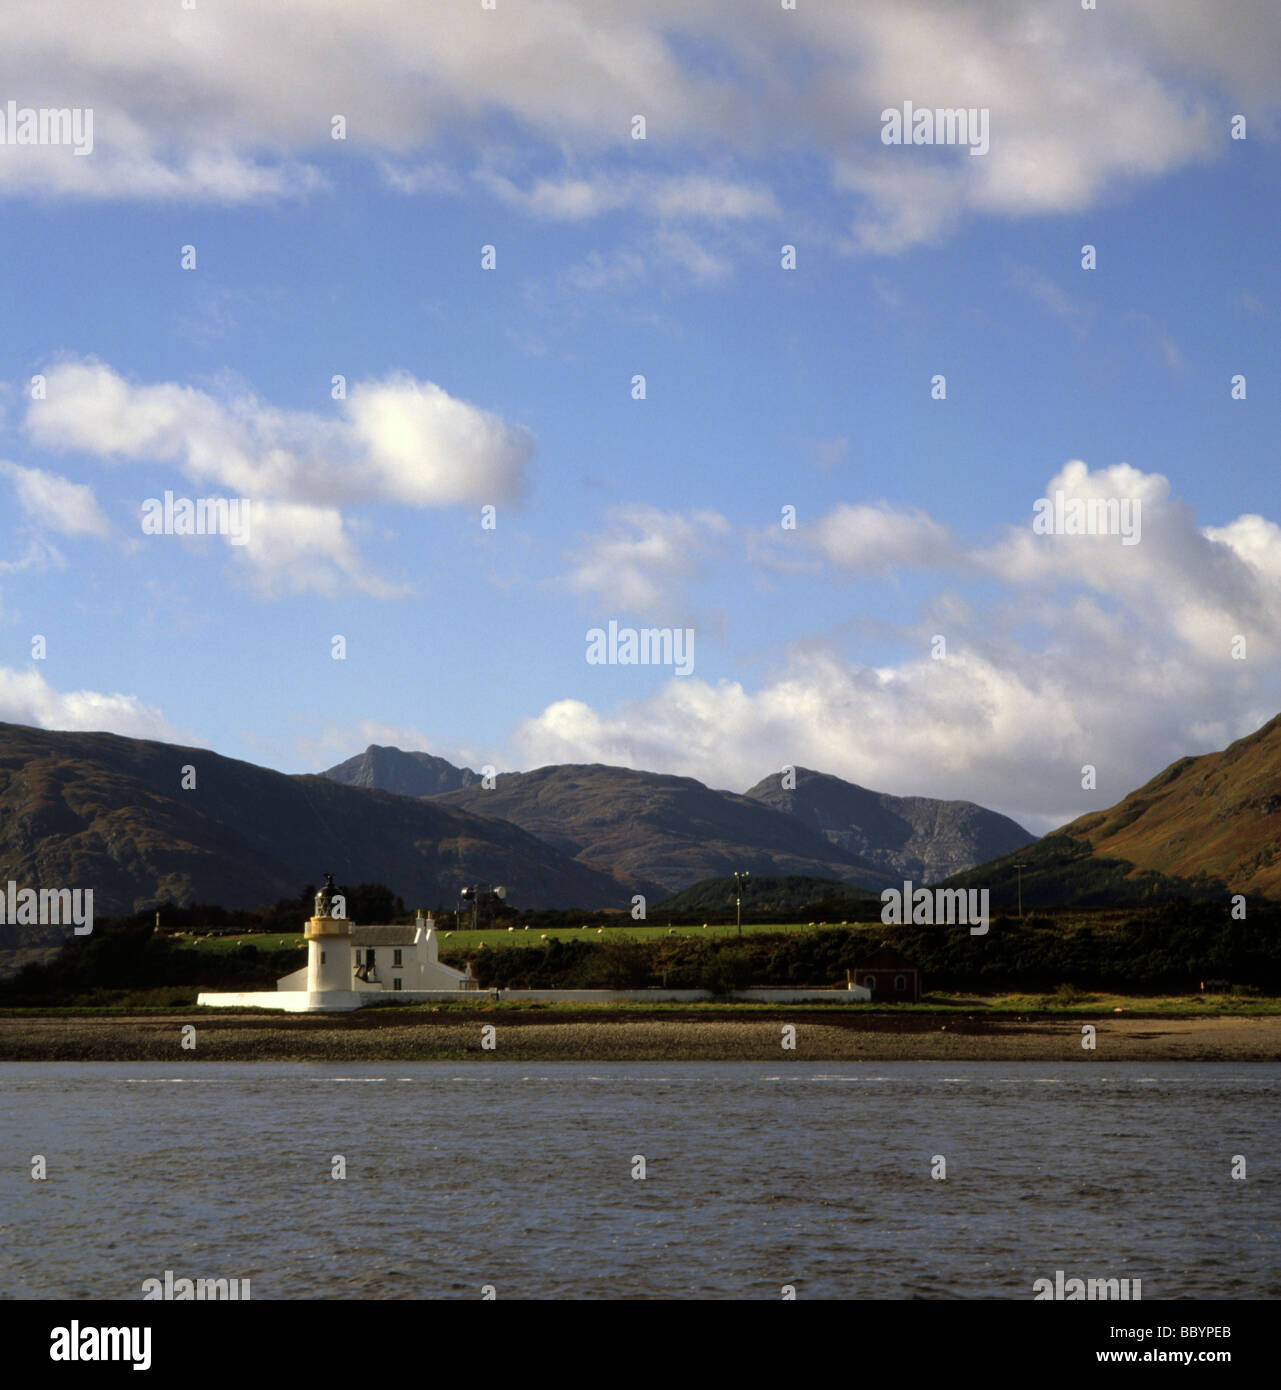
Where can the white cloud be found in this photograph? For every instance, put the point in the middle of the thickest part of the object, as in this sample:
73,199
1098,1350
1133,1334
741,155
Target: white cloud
643,560
27,698
560,200
397,440
1074,108
876,539
1253,539
1196,587
235,101
56,503
428,449
299,548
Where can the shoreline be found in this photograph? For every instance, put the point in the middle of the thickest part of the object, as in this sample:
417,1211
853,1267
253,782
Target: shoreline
378,1035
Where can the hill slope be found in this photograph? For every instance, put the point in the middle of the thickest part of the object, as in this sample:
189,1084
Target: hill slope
764,899
109,813
1216,816
913,837
667,832
1205,826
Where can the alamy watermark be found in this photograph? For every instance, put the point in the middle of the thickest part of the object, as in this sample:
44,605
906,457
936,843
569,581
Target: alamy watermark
944,907
1070,1289
47,125
646,646
47,907
203,516
76,1343
923,125
207,1290
1089,516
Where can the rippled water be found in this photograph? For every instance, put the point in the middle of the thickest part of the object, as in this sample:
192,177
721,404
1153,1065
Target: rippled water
758,1175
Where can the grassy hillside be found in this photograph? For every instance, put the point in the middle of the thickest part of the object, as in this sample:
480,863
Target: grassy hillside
1215,817
1061,872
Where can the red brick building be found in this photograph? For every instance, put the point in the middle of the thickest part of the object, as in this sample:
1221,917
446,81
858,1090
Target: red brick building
889,977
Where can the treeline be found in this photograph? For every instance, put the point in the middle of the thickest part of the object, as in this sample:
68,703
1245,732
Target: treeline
1171,948
132,957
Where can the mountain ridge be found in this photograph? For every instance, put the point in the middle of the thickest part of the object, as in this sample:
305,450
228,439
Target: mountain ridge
660,831
109,812
917,837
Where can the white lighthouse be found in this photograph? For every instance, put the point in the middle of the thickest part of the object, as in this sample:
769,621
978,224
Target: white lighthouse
329,968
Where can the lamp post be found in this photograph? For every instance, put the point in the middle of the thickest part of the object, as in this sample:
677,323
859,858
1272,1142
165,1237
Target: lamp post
739,880
1020,868
473,892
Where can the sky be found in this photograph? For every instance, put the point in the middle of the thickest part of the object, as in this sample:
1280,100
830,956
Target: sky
863,364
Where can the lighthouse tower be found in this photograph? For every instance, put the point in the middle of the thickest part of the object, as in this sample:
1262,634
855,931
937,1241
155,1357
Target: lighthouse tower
329,955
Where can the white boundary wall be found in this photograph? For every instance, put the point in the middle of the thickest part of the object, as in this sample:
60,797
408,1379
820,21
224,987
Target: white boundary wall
341,1001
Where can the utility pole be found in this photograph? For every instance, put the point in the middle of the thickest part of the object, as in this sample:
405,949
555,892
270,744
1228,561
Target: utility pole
739,880
1020,868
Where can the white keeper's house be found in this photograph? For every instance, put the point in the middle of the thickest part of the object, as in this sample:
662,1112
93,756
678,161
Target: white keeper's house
347,964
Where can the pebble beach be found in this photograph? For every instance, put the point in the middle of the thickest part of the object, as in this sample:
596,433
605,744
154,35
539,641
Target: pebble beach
396,1035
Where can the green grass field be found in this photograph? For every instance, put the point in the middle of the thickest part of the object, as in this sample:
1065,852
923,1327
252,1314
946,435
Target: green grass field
220,945
523,936
520,936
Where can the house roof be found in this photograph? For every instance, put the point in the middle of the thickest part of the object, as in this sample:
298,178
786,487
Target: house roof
887,958
383,936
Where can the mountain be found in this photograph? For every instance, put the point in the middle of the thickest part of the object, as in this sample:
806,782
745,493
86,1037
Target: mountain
658,834
912,837
1215,817
109,813
406,774
1205,826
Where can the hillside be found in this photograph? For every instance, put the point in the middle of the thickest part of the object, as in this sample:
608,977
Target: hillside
1216,816
1059,871
109,813
666,832
764,899
913,837
1205,826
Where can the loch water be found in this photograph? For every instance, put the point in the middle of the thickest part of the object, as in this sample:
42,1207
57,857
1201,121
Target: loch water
525,1177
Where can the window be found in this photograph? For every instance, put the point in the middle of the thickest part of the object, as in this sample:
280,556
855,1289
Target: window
900,982
395,958
395,984
358,955
369,956
322,958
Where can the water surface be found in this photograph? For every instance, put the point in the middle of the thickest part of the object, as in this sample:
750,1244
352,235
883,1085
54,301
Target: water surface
758,1175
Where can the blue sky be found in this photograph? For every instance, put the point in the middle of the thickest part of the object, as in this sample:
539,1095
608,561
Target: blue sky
765,387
